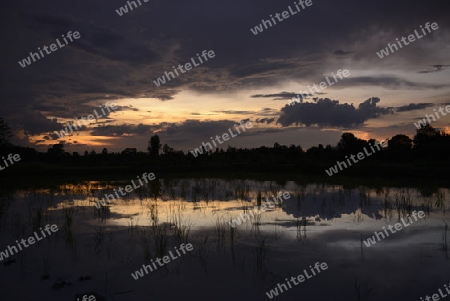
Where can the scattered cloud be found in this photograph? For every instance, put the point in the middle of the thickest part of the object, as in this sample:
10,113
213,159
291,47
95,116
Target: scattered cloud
279,96
330,113
436,68
122,130
413,106
388,82
340,52
232,112
265,120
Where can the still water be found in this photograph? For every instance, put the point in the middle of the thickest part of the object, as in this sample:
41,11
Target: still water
96,250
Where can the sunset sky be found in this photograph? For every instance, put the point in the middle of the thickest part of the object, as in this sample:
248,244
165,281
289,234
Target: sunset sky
251,76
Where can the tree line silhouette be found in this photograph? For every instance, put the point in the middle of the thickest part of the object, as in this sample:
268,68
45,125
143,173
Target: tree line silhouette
428,151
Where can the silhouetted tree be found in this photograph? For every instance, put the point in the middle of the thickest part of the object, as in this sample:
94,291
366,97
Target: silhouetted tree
154,146
167,150
349,144
56,151
426,141
400,147
5,132
75,157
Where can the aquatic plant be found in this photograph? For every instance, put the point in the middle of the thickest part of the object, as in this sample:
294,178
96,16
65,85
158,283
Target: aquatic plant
362,289
260,252
220,228
160,238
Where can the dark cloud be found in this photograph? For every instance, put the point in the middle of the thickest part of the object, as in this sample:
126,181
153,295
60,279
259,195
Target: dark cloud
199,128
268,112
235,112
188,128
124,108
96,40
37,124
413,106
436,68
387,82
265,120
258,68
280,96
122,130
340,52
164,97
52,136
330,113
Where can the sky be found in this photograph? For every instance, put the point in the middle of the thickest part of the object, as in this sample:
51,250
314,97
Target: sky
251,77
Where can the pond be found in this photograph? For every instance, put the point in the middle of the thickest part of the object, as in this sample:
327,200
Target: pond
209,239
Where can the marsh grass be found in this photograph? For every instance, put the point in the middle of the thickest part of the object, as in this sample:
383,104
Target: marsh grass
36,218
17,228
68,218
300,197
362,289
276,231
361,245
46,265
364,197
358,216
161,239
239,193
387,207
132,226
427,204
298,227
182,232
258,199
68,213
232,238
182,227
445,242
440,201
301,234
21,257
98,240
255,221
220,228
403,203
146,250
5,202
102,213
202,252
153,210
259,253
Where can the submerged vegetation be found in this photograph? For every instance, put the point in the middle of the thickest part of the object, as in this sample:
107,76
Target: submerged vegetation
153,219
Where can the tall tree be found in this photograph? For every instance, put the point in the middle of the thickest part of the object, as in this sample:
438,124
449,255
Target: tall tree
350,144
400,147
57,150
426,141
167,149
154,146
5,132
